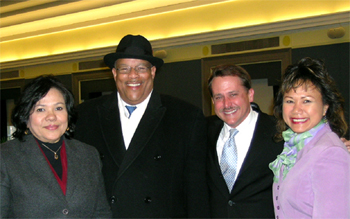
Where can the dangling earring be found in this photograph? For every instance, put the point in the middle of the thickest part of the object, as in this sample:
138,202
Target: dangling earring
325,108
26,132
67,129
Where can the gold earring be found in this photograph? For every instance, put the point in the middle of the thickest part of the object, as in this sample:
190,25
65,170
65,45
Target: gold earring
67,129
26,132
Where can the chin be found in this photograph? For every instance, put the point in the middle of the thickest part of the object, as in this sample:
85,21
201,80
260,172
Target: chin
299,131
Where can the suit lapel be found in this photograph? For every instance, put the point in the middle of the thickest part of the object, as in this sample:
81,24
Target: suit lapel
214,170
111,128
38,163
148,124
256,149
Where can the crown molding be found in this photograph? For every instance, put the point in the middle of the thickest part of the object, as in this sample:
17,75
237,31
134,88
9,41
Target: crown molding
235,34
255,31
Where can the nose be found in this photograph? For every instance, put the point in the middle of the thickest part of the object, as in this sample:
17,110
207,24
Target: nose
227,103
297,108
133,73
51,115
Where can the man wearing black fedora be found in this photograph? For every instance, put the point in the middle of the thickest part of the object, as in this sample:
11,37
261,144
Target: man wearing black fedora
152,146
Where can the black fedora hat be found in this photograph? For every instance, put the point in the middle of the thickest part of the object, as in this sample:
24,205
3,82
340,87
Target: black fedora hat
133,47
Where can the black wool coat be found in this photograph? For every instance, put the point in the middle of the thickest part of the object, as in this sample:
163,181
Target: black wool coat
162,174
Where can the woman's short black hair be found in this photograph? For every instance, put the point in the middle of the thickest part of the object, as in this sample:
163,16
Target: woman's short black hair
32,93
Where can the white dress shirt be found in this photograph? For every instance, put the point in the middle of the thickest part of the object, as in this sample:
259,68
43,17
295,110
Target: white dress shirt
129,125
243,138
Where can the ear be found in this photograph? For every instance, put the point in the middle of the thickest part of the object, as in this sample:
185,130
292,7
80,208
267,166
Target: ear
325,108
114,71
153,71
251,94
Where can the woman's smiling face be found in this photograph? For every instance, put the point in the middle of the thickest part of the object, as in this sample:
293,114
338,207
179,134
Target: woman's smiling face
48,120
303,108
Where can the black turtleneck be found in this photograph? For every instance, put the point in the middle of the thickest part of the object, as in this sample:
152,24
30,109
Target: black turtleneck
56,164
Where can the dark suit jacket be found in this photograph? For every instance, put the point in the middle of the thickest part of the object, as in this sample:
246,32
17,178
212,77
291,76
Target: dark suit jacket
251,196
29,189
162,174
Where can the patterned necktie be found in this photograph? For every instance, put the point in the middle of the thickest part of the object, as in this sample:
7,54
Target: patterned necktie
130,109
228,163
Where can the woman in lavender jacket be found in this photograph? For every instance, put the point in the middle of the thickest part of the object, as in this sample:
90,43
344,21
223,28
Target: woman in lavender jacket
312,174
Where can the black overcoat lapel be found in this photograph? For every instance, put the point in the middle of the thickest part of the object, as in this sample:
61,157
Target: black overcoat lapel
150,121
111,128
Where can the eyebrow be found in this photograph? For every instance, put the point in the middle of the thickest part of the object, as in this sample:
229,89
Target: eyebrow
217,95
58,103
286,96
135,65
233,91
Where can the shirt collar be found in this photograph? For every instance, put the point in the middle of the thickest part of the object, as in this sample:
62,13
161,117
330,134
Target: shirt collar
122,104
244,125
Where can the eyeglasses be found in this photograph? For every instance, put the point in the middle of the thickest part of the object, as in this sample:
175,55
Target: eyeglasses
138,69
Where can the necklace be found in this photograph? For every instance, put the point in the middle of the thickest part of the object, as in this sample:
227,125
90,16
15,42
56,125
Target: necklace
55,152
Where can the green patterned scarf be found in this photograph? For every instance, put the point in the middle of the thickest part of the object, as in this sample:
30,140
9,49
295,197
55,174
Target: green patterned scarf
293,144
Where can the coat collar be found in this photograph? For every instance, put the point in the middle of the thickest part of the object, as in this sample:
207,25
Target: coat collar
148,124
38,163
111,126
108,114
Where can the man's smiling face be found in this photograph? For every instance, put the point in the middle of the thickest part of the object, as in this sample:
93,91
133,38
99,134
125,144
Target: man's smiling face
134,87
231,99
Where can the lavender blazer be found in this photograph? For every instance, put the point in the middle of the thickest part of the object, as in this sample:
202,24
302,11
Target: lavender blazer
318,186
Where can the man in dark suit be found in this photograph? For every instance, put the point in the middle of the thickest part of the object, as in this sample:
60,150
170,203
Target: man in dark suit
153,157
251,193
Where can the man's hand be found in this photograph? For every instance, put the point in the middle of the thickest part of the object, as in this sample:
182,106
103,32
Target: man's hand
346,142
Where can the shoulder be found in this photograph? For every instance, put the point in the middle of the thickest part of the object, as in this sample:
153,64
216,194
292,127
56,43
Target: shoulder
328,151
266,120
81,147
325,143
180,109
15,144
168,100
83,154
265,130
89,110
263,118
328,140
93,103
214,126
10,146
15,150
214,120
